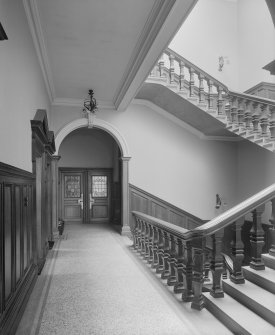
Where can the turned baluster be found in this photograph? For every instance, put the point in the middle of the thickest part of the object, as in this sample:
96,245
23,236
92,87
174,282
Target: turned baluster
272,230
220,101
179,264
237,252
207,265
227,109
234,111
187,272
172,68
142,237
256,119
240,113
198,279
264,122
160,251
257,239
192,82
138,235
201,90
247,115
155,248
166,255
272,122
135,232
210,95
172,261
150,244
161,66
216,264
146,241
181,64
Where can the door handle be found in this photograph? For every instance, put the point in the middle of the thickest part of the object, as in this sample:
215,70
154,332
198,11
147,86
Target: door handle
80,201
92,201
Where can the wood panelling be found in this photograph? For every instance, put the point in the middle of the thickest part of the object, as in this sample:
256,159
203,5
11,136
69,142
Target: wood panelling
17,268
147,203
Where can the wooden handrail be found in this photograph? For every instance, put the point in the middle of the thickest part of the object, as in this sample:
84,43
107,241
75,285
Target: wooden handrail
219,222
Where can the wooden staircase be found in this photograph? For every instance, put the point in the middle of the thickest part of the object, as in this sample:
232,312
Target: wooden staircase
247,308
249,116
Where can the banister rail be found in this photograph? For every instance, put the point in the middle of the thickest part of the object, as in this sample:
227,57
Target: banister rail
180,255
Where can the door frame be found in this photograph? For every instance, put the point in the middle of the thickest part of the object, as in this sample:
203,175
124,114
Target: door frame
108,171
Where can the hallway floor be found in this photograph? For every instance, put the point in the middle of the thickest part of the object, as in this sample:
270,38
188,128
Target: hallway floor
93,282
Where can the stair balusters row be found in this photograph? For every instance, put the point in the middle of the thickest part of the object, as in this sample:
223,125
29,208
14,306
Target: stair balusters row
184,257
249,116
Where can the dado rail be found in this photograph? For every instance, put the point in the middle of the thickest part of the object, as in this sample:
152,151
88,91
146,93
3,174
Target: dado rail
180,255
249,116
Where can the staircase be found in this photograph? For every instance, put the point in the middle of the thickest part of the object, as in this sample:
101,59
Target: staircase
247,308
244,302
249,116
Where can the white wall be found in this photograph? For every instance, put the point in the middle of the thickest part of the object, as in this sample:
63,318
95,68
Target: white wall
240,30
22,89
87,148
256,42
169,162
210,31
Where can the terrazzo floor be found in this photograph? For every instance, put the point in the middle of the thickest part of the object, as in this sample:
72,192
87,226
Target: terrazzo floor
93,282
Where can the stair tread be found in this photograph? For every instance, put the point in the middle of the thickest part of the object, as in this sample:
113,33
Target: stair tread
268,273
240,314
254,292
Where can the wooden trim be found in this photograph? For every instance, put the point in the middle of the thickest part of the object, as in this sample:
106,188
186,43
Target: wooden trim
7,170
160,209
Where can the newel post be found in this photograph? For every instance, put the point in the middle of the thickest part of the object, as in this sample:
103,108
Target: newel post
257,239
216,264
198,277
237,250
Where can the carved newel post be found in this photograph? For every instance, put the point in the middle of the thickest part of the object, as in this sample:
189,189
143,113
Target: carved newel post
237,251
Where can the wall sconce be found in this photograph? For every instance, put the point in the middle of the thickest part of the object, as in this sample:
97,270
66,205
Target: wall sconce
218,201
221,63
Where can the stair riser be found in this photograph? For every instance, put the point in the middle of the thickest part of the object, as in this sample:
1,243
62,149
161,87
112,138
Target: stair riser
256,307
260,281
269,261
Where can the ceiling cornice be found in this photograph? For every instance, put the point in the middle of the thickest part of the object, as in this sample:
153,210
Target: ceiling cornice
34,22
183,124
153,24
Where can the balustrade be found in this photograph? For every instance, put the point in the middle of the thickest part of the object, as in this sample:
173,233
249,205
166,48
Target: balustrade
252,116
183,258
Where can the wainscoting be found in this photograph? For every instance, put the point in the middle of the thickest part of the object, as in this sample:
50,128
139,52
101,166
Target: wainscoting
147,203
18,244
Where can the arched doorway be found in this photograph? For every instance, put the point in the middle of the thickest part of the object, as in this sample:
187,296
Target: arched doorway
121,187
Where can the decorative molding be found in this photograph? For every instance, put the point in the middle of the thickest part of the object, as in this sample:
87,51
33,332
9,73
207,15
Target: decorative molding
34,22
184,125
98,123
151,29
67,102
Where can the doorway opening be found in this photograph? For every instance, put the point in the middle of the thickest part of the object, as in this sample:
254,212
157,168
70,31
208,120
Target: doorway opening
90,177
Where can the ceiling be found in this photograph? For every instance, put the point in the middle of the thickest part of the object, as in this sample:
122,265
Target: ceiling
105,45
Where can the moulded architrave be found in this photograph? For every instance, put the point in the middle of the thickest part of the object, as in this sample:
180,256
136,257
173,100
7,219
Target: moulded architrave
182,124
98,123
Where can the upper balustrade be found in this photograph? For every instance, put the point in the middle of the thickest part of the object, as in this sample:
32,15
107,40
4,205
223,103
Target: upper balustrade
184,257
250,116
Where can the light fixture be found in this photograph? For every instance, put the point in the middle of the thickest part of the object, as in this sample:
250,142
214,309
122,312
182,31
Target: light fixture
90,104
221,63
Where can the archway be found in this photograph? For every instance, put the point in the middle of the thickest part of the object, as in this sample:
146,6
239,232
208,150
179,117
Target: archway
125,157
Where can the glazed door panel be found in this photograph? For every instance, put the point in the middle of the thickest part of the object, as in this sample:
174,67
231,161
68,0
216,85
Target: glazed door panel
72,196
99,196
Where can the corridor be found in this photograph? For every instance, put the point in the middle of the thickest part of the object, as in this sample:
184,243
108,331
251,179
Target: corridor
93,282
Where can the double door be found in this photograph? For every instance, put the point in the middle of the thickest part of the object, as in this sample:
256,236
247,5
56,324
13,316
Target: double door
85,195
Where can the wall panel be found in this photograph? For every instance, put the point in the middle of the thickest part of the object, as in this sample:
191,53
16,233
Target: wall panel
17,268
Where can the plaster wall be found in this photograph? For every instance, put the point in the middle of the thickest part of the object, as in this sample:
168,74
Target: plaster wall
22,89
241,31
256,43
170,162
87,148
